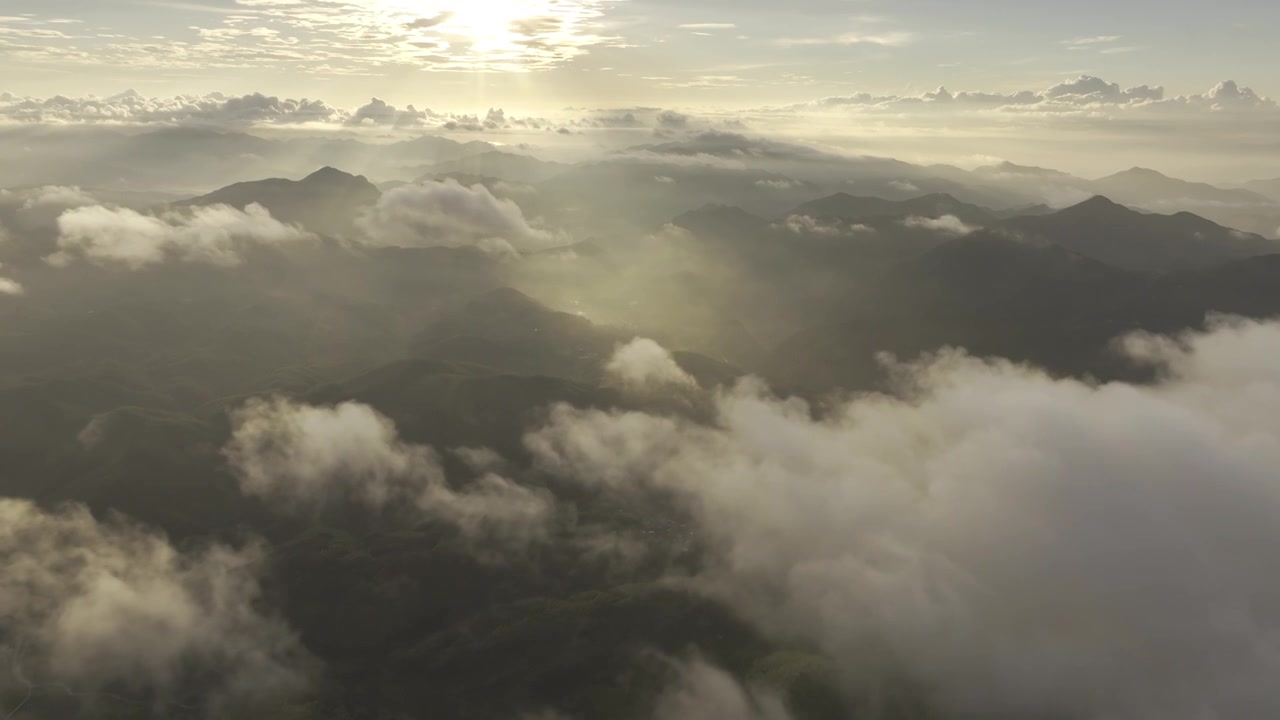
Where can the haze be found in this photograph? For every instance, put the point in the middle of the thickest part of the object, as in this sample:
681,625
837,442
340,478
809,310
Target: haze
639,360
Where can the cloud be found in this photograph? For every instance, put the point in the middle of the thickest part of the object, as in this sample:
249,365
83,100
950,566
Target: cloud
378,112
429,22
704,692
776,184
9,286
90,604
301,456
888,39
1019,545
644,365
807,225
947,224
707,26
48,196
1075,95
449,214
671,119
132,108
217,234
24,211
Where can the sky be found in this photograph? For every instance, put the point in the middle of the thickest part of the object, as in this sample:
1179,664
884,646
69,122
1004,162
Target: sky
1091,86
539,55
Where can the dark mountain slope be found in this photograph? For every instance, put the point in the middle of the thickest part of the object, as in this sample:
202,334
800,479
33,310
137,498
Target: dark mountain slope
327,202
1125,238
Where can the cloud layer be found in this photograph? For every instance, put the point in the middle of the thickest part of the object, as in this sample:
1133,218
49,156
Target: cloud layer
1084,92
1019,545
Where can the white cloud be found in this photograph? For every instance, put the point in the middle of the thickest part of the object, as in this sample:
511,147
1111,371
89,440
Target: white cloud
378,112
88,604
452,215
776,184
217,234
807,225
887,39
947,224
704,692
297,456
9,286
643,365
1018,544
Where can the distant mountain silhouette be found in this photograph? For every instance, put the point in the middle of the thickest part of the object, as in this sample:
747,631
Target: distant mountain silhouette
508,331
1267,188
495,164
851,207
719,219
1153,190
1125,238
1023,297
327,201
1008,169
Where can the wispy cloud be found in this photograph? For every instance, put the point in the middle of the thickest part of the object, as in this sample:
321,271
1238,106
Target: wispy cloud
888,39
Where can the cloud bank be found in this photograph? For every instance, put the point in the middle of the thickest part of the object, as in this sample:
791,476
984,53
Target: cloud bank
1018,545
1075,95
89,604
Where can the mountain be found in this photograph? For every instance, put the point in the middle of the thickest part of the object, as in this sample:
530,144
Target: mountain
1266,188
327,202
1244,209
998,294
1006,170
1151,189
508,331
723,220
495,164
189,161
1116,235
854,208
628,194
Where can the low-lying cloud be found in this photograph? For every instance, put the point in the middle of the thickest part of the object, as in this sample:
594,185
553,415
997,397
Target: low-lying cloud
1014,544
85,604
449,214
217,234
947,225
301,456
9,286
644,365
704,692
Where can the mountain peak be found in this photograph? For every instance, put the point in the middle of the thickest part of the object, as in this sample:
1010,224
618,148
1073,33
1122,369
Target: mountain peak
1098,205
332,175
1142,172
